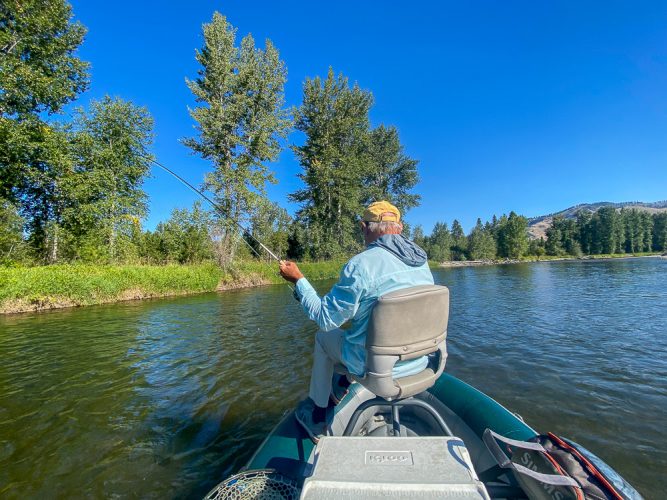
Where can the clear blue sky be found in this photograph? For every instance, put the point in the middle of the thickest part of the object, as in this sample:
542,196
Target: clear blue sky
525,106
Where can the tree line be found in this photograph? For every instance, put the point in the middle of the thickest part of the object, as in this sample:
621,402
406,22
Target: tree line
71,187
606,231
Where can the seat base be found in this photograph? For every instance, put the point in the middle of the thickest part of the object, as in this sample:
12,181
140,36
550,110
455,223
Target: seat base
395,405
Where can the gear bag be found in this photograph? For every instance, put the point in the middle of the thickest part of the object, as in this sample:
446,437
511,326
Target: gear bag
551,468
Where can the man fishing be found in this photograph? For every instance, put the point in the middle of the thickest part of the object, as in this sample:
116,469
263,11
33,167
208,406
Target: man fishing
390,262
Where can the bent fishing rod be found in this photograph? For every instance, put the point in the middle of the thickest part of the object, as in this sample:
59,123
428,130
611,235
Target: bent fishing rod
222,212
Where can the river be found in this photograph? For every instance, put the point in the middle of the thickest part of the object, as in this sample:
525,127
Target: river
164,398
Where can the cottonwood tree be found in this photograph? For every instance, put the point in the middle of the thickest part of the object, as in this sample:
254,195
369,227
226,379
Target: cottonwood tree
346,165
240,120
11,234
39,74
334,118
111,143
390,174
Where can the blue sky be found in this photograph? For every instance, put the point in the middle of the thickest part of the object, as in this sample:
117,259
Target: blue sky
524,106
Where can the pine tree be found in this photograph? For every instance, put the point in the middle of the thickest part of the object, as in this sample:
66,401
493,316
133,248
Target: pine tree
554,243
660,232
512,236
481,245
459,241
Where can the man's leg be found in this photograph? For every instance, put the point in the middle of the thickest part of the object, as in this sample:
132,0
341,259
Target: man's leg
328,352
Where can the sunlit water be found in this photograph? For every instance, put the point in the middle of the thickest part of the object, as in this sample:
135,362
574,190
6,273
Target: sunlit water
165,398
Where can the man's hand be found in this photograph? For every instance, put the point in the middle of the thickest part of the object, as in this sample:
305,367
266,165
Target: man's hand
290,271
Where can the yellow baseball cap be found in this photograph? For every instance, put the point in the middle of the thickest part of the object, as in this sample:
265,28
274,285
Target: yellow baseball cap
381,211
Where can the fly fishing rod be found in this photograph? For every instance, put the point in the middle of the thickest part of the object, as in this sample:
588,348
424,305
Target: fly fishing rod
227,219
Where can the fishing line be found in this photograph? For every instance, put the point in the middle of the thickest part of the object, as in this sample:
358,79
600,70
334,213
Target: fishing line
226,219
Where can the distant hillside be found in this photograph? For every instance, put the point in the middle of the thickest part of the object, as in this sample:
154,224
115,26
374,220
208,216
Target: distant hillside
537,226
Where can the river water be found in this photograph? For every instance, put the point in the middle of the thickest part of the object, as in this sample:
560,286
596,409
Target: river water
164,398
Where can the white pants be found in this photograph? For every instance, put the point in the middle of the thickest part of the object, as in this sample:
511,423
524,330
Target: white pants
328,354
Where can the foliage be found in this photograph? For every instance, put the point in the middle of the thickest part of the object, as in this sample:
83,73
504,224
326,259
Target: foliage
389,174
38,69
459,245
240,118
334,119
346,165
11,234
481,245
111,143
39,74
43,287
438,245
512,236
184,238
48,286
270,224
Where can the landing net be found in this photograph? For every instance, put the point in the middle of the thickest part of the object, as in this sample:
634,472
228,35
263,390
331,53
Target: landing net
256,485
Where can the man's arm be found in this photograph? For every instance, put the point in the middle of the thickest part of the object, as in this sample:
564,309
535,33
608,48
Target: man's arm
337,306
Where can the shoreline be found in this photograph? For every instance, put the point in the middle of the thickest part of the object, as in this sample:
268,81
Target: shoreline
475,263
46,288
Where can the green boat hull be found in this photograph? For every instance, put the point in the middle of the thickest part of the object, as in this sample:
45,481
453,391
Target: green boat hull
287,448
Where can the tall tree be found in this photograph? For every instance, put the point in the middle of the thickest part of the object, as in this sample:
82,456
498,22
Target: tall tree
512,236
418,236
391,174
610,230
439,246
11,234
240,118
334,119
459,241
660,232
39,74
585,234
111,141
46,192
481,245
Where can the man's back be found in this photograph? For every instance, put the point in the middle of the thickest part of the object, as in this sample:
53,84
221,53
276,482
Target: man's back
390,263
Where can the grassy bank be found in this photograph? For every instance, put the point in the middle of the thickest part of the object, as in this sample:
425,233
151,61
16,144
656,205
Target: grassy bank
49,287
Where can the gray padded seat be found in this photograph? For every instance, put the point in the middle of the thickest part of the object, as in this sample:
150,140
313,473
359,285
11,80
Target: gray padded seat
406,324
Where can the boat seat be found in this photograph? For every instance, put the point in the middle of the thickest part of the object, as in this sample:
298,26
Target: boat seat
404,325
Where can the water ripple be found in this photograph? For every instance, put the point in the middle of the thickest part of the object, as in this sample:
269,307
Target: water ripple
165,398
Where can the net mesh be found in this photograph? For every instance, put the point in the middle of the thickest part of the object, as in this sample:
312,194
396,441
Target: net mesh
256,485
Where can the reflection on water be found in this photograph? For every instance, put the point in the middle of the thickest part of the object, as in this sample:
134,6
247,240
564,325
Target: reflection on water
165,398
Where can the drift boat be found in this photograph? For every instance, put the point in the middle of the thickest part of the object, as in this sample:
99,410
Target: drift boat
363,459
420,435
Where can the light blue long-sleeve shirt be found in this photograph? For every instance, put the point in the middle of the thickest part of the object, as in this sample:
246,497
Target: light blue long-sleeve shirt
365,278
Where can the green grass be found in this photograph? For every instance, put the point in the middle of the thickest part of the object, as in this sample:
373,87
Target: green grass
30,288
